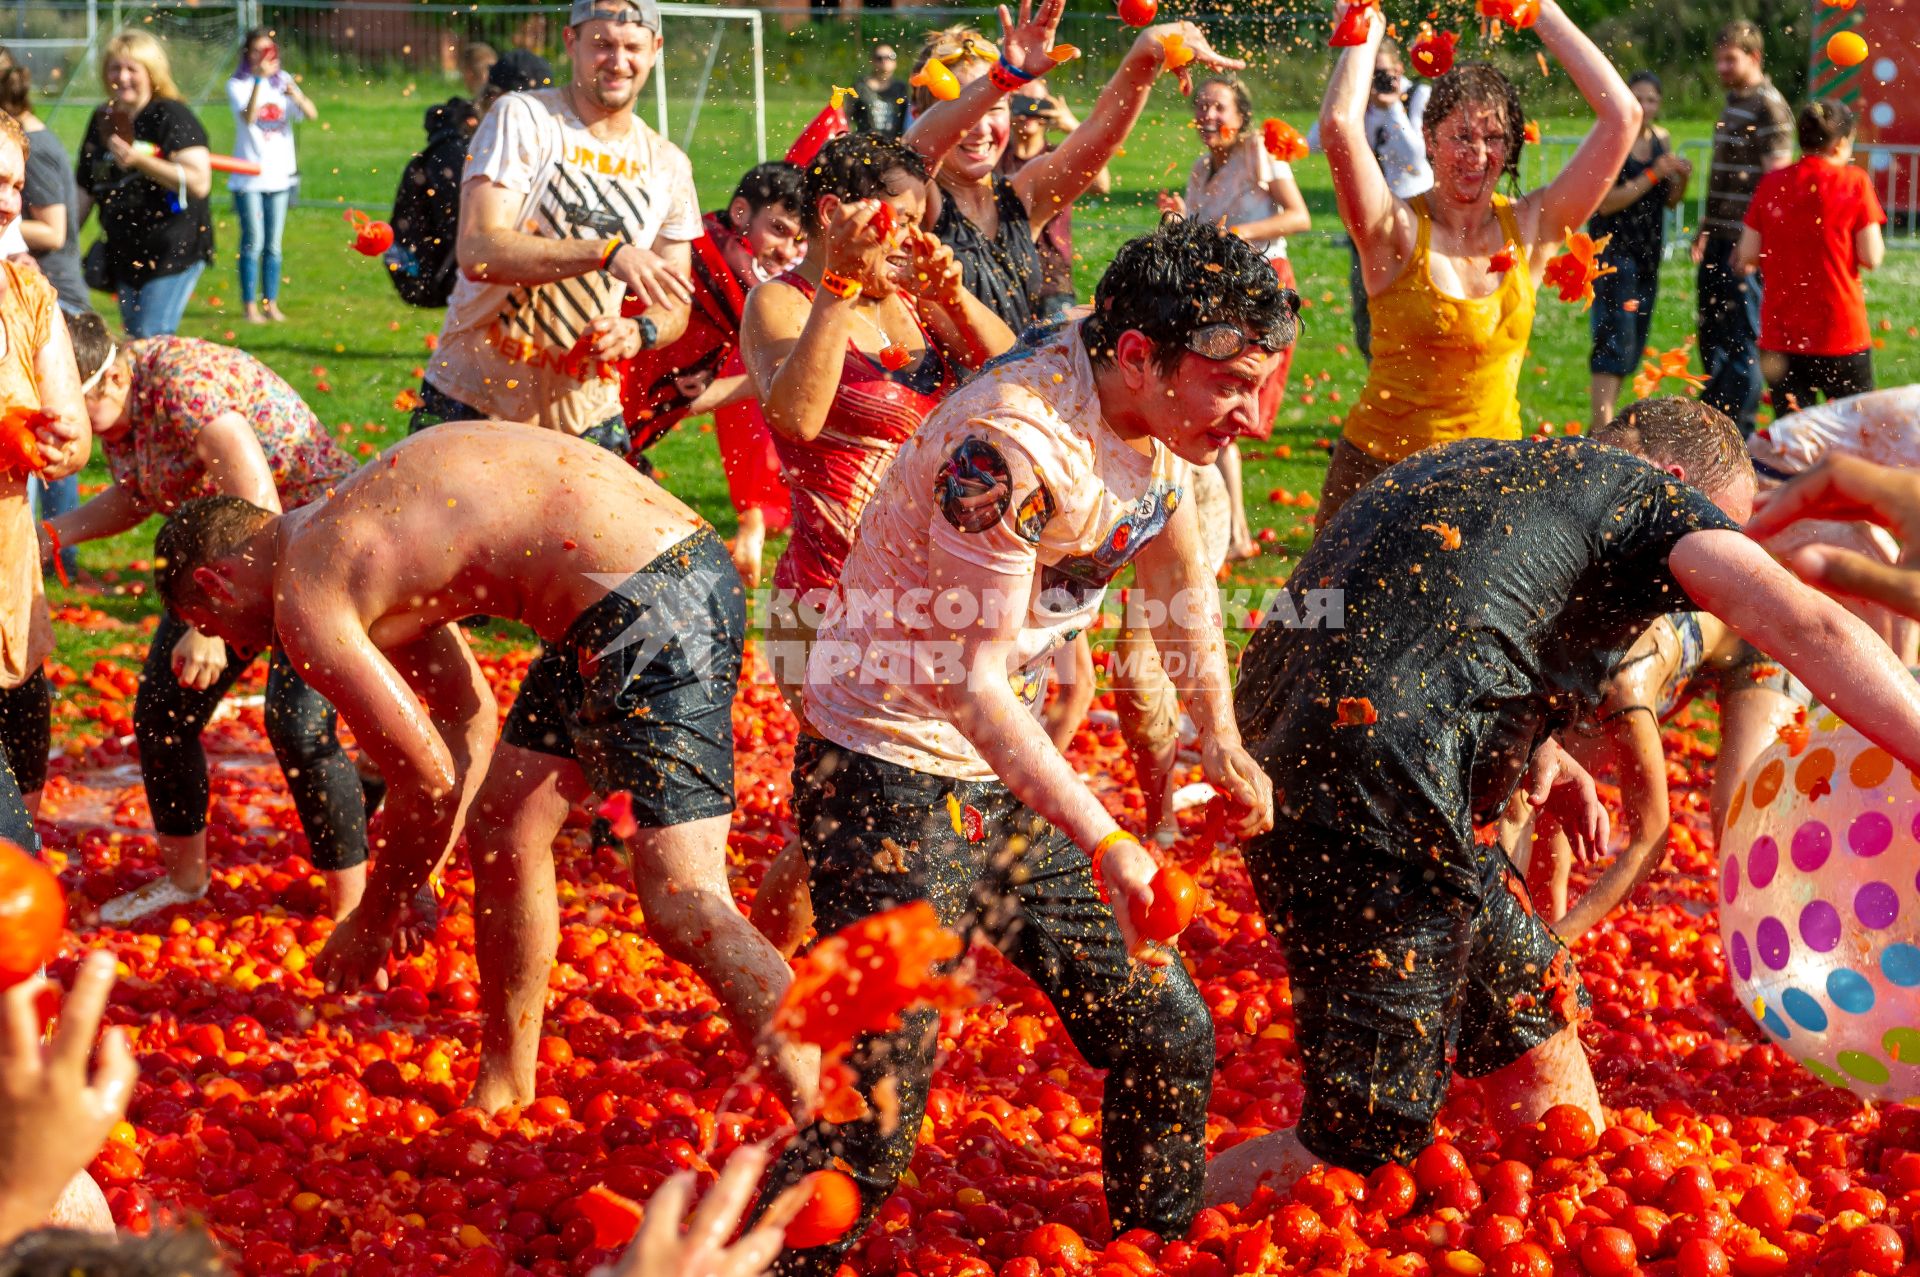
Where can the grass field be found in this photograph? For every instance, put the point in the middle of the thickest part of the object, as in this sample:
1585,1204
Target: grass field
352,346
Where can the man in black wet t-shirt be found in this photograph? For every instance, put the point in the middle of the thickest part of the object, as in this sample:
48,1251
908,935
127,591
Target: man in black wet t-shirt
1487,588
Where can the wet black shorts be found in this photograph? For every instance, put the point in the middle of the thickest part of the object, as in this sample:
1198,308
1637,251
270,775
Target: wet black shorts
1398,983
640,692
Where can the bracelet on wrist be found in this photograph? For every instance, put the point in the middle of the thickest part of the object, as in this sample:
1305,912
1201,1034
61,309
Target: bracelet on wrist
1107,844
613,246
839,285
1007,77
649,333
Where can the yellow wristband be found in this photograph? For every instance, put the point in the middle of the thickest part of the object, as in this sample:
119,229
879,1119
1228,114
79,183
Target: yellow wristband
613,246
1106,844
839,285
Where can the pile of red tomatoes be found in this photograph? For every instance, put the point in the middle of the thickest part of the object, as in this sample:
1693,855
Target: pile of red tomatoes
319,1134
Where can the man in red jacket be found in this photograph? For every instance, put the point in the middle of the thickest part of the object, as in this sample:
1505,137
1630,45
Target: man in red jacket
755,238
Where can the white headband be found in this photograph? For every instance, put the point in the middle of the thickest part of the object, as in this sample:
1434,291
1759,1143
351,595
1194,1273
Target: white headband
86,387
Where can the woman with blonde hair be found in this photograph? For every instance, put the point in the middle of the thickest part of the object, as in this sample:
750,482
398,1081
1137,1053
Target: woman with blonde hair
991,222
154,218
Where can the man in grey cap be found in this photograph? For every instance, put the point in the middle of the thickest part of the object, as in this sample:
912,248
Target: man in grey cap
576,225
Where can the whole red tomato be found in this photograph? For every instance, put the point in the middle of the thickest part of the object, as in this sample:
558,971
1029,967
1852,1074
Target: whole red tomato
1566,1130
832,1207
1175,896
1139,13
33,914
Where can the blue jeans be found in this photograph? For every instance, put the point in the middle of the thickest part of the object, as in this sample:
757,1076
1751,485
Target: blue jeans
1619,334
52,500
153,309
1729,334
263,219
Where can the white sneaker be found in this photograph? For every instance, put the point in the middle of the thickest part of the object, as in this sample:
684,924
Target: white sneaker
144,901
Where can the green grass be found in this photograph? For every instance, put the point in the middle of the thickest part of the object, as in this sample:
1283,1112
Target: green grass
351,333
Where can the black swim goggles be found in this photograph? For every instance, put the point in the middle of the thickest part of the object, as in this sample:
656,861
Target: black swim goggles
1224,342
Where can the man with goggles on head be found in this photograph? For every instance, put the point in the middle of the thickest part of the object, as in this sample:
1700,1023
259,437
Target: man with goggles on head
576,225
925,774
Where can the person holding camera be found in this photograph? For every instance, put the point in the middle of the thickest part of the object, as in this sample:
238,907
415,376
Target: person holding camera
266,104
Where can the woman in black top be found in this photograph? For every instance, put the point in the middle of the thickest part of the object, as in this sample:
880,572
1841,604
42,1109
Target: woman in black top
1653,179
158,234
992,222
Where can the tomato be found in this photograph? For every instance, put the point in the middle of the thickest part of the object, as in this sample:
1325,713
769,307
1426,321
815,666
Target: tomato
1391,1191
1438,1163
1607,1252
1768,1207
1566,1130
1139,13
1690,1190
1523,1259
1876,1249
1171,907
832,1207
33,915
1701,1258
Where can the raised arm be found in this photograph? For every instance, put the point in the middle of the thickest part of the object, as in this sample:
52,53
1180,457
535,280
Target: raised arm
1188,629
1829,649
1571,197
1058,178
938,129
972,332
793,349
1366,203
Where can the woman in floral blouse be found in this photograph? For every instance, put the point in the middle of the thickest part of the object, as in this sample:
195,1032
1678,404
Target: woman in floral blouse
180,418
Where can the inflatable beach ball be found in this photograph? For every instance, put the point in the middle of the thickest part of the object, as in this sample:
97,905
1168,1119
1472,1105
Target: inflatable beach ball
1820,907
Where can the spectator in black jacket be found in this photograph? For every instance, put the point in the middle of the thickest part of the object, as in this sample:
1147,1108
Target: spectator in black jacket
426,208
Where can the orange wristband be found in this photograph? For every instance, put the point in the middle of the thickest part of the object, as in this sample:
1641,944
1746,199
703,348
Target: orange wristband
613,246
839,285
1106,844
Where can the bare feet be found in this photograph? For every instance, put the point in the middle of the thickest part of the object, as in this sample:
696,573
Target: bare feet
344,889
274,313
495,1088
253,314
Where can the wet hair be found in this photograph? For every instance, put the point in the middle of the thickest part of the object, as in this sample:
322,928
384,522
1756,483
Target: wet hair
1670,430
143,47
956,46
1236,86
1823,122
1742,35
16,85
202,530
91,341
11,130
1480,84
1185,276
1647,77
764,185
63,1252
854,167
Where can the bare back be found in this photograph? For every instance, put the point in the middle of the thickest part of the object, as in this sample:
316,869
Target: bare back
476,518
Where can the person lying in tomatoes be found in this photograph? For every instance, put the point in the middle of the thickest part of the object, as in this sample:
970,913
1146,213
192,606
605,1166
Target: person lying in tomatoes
632,694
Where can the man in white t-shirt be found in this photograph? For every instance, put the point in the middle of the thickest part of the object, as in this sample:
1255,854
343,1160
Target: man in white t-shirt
926,775
576,225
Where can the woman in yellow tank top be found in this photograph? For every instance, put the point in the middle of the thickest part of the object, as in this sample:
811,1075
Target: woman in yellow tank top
1451,274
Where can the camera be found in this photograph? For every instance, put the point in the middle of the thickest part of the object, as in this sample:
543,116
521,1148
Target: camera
1385,81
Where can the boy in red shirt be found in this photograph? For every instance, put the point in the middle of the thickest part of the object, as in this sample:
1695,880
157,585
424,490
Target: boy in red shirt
1811,229
755,238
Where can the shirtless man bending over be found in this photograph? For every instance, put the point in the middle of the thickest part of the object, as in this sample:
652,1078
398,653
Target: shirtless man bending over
632,692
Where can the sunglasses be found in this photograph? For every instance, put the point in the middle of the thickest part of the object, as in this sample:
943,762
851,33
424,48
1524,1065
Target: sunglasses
1224,342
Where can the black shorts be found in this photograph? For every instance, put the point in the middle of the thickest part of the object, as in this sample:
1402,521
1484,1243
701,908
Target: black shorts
640,691
1397,983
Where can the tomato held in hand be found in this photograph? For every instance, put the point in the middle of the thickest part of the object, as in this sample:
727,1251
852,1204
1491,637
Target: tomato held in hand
33,915
833,1205
1139,13
1175,896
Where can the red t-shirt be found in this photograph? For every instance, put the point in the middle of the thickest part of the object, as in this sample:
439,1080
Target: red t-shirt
650,400
1807,214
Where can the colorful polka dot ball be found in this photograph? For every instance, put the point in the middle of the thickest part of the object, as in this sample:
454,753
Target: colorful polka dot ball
1820,907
